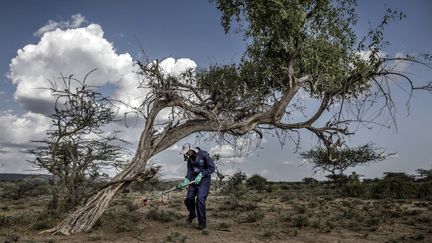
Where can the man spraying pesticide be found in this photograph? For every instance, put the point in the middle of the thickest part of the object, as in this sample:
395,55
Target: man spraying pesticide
199,169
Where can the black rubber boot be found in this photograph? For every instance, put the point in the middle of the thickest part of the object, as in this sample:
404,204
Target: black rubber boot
201,227
189,220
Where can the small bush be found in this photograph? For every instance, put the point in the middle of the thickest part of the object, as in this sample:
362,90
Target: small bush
395,185
256,182
131,206
95,237
12,237
254,216
310,181
224,225
300,221
176,237
354,189
160,215
300,208
268,233
425,190
42,224
234,184
233,203
122,220
5,220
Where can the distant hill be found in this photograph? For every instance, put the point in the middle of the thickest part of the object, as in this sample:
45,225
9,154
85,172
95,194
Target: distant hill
17,176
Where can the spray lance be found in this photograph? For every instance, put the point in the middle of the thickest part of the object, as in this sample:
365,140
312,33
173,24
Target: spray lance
162,197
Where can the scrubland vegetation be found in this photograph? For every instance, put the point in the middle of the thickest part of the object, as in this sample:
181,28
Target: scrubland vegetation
395,208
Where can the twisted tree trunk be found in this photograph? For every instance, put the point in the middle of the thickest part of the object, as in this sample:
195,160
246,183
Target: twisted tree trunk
84,217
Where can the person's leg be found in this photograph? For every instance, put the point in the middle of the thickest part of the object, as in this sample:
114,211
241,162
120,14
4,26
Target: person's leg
190,201
203,190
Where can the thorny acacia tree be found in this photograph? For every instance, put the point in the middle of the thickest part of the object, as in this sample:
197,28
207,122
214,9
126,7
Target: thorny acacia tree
293,47
339,157
76,148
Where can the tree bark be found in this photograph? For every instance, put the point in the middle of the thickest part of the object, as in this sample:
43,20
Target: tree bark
84,217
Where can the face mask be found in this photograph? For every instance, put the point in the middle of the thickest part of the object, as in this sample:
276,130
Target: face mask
187,157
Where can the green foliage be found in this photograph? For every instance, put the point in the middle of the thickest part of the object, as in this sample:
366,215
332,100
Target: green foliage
238,88
337,160
310,181
395,185
235,184
425,190
257,182
314,38
27,187
353,189
76,148
424,174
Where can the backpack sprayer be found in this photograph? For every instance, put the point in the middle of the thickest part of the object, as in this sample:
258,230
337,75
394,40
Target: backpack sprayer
163,197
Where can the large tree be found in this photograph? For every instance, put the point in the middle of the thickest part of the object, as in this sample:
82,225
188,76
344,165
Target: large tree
294,48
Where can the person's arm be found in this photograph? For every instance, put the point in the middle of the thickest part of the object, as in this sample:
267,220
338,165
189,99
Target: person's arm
189,173
211,167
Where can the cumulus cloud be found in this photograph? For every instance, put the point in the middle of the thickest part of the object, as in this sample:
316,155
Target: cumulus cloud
77,51
228,153
70,51
15,135
175,67
76,21
15,130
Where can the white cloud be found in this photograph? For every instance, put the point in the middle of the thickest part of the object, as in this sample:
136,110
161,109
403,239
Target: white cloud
175,67
229,154
21,129
76,21
15,135
367,55
77,51
15,161
174,148
71,51
289,162
265,172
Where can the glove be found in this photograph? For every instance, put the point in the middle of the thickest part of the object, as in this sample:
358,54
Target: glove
198,178
183,184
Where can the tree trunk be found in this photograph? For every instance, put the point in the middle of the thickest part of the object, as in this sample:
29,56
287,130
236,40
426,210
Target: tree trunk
84,217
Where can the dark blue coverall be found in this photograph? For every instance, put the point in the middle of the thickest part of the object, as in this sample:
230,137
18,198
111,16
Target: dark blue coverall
204,164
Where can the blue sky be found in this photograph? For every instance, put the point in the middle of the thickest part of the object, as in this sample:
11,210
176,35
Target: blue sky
191,29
